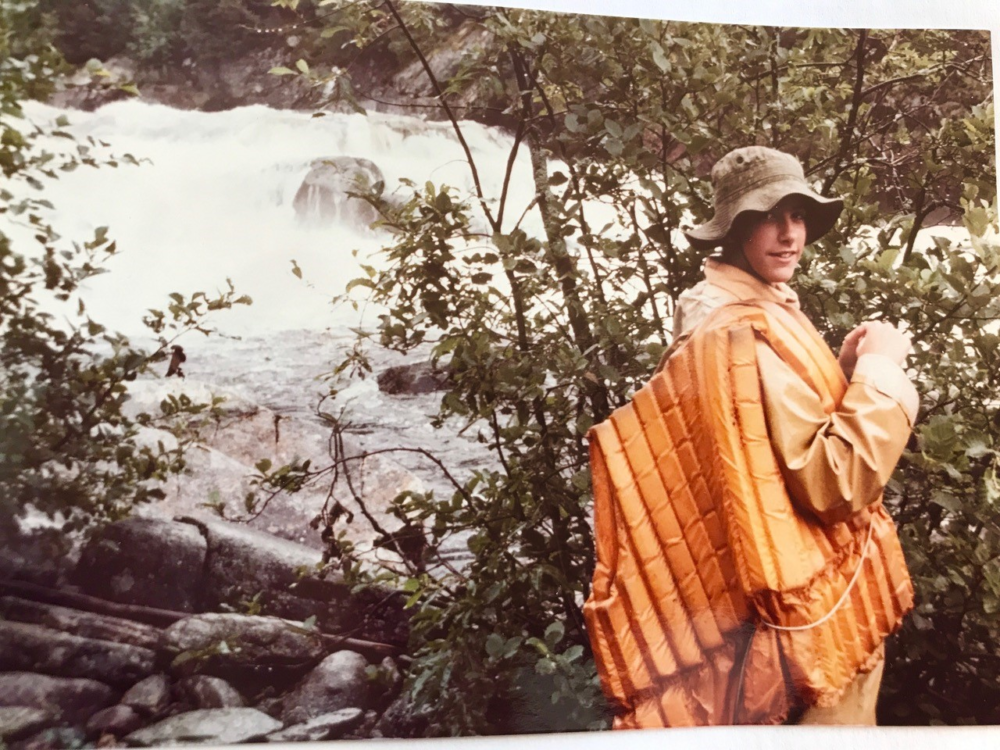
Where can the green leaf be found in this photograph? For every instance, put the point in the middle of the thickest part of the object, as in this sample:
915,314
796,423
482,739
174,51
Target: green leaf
554,633
494,645
354,283
660,58
281,71
302,65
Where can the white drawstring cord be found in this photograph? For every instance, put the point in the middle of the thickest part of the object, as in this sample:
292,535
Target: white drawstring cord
843,598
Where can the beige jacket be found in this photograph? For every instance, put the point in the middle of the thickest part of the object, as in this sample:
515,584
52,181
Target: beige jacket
836,464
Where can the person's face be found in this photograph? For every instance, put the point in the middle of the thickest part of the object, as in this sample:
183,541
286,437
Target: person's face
775,240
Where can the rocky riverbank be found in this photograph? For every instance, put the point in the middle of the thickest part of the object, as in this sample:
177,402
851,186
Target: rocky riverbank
171,631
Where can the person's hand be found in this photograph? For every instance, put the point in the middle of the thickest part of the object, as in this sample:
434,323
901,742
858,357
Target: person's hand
884,338
849,349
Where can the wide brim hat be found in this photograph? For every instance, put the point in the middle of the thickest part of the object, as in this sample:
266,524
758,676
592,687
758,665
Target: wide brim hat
756,178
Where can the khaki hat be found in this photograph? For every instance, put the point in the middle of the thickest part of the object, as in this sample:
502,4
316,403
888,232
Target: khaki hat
755,178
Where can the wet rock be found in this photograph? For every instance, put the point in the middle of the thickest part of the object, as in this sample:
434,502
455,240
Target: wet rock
329,726
420,377
223,644
21,721
339,681
144,561
33,648
115,720
70,699
325,191
211,692
150,697
76,622
214,726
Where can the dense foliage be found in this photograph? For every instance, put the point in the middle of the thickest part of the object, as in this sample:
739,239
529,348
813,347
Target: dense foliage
545,333
158,32
68,446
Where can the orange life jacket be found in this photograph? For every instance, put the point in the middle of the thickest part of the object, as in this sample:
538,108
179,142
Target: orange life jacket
697,542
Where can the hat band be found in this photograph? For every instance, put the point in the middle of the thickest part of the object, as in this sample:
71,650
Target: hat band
765,180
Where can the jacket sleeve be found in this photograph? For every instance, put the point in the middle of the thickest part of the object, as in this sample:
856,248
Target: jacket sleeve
836,464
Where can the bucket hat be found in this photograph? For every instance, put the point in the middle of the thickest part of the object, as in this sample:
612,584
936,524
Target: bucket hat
755,178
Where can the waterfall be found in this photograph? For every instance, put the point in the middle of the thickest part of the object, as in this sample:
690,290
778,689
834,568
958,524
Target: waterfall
212,199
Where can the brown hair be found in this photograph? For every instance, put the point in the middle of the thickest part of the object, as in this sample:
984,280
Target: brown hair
739,233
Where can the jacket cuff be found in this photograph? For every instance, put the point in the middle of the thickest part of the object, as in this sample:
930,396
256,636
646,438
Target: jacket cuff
885,376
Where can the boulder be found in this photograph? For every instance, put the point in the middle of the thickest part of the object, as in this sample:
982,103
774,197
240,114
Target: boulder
366,729
339,681
150,697
329,726
419,377
85,624
211,692
53,738
243,563
115,720
21,721
324,193
144,561
33,648
71,700
237,645
403,720
213,726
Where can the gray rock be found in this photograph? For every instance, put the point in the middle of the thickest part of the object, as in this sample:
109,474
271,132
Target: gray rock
390,681
53,738
272,705
37,649
211,692
150,697
144,561
20,721
420,377
117,720
330,726
243,563
38,556
324,193
75,622
230,643
215,726
403,720
339,681
70,699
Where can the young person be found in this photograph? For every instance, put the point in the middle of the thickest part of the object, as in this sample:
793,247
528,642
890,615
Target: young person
746,569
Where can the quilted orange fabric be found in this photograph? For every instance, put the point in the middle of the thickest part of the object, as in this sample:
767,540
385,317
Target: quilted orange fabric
698,541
